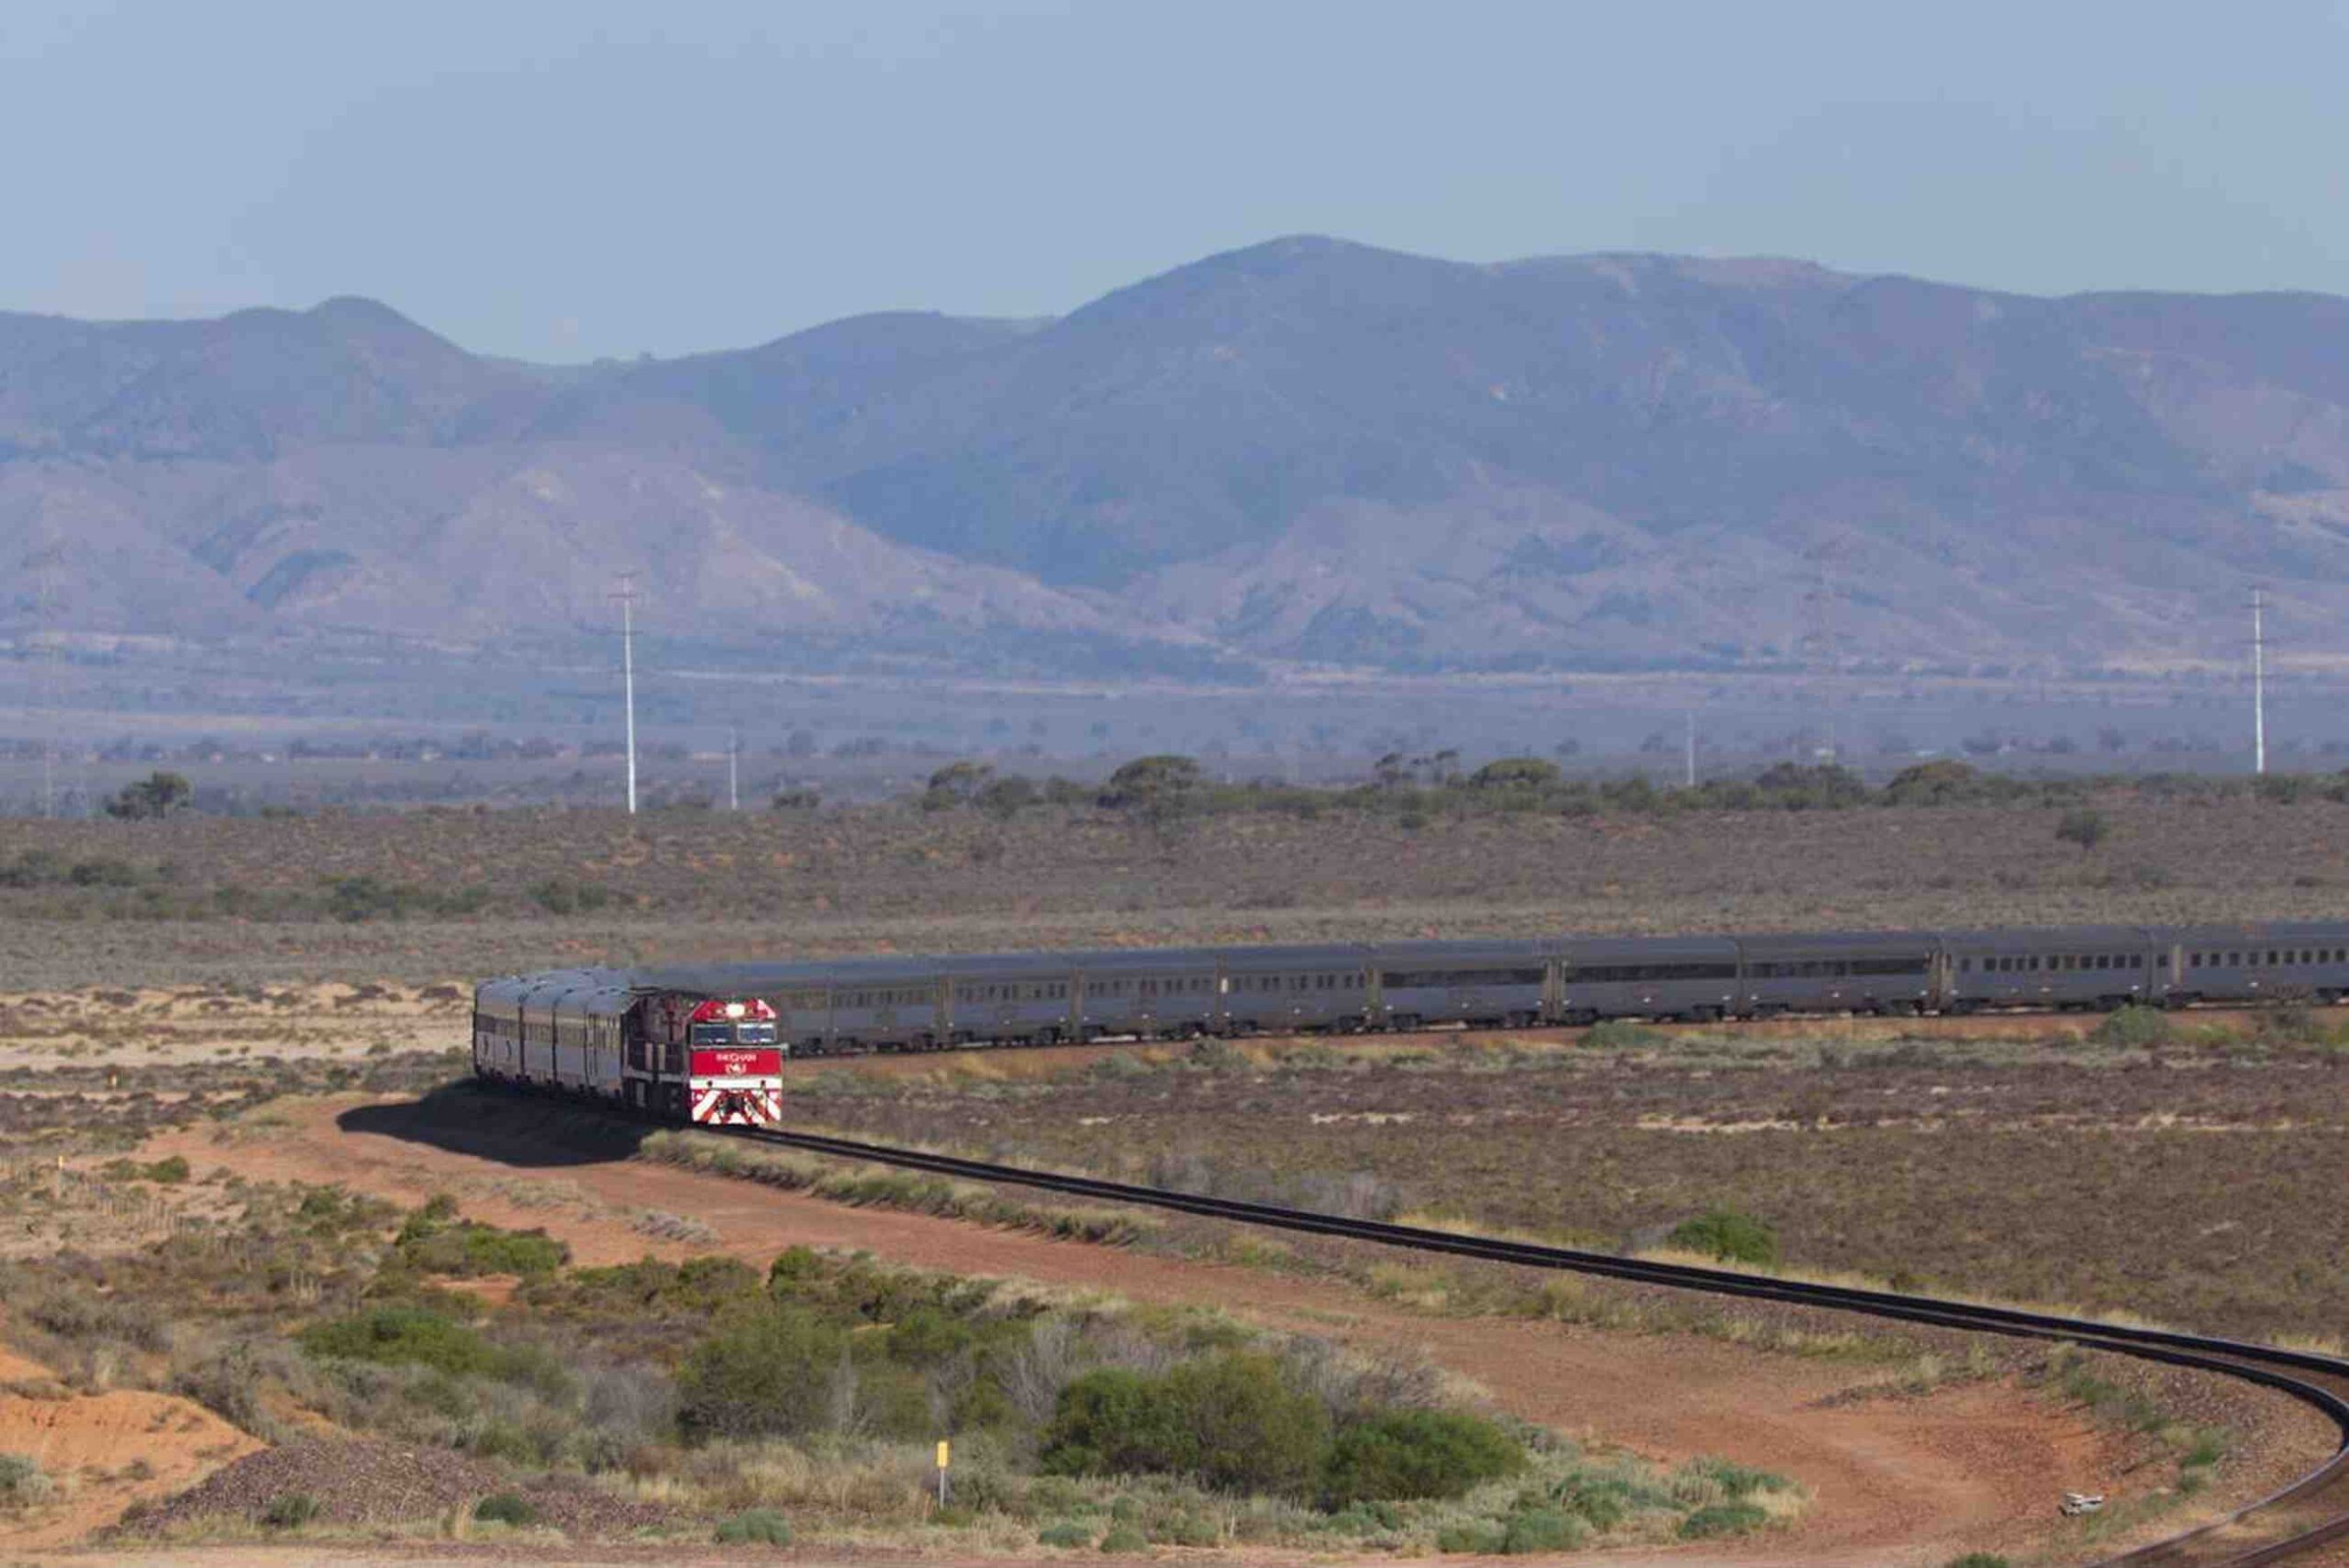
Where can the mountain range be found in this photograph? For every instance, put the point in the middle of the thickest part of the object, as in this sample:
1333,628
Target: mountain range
1304,451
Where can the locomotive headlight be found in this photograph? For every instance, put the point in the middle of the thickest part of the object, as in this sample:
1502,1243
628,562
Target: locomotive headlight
733,1009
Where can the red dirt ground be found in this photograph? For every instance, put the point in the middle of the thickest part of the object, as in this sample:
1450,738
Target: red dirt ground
1894,1480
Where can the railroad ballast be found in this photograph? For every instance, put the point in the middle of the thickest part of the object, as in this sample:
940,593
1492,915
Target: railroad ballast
705,1044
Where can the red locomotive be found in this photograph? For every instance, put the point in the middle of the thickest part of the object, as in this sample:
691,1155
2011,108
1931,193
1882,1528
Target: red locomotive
683,1053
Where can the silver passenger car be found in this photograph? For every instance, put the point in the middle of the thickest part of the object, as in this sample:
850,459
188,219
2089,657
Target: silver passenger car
1648,977
1860,972
2055,966
1009,999
1271,989
2266,961
1147,993
1498,983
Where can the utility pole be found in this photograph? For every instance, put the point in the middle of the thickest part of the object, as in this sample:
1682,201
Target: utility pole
2258,686
627,596
1691,772
733,770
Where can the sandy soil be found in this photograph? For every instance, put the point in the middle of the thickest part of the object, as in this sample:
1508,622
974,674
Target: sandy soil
164,1028
1895,1481
103,1451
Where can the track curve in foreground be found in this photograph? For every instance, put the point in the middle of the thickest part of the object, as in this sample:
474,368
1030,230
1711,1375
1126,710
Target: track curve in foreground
2295,1520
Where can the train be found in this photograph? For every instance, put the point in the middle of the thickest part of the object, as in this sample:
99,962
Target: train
705,1044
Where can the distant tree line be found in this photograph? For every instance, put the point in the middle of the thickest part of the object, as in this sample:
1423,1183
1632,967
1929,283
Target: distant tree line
1160,791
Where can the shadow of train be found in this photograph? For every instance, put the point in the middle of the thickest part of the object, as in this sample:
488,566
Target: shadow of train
520,1131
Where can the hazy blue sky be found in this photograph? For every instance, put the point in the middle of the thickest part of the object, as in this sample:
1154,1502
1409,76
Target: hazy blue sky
567,180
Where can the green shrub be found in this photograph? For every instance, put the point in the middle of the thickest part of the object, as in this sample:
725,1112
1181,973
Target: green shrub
1604,1501
1067,1533
1539,1530
1721,1518
1416,1453
465,1249
290,1511
1229,1421
402,1335
762,1527
505,1508
1365,1519
2086,826
1977,1560
767,1372
1622,1034
1729,1236
1736,1481
22,1483
1124,1538
566,895
1477,1538
2135,1027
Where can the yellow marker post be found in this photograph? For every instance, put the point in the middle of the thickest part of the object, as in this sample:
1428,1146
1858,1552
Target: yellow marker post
945,1457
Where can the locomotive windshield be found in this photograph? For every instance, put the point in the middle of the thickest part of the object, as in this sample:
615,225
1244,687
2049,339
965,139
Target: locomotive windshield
734,1034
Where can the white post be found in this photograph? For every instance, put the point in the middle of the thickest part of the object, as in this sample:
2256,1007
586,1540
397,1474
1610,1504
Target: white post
733,770
628,677
2258,688
1691,770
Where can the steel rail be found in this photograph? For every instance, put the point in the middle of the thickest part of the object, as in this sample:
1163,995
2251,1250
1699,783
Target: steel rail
2299,1518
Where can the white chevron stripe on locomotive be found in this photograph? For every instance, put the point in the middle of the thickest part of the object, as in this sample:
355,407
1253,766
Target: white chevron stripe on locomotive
737,1108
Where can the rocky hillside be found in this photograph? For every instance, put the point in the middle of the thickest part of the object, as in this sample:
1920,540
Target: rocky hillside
1307,449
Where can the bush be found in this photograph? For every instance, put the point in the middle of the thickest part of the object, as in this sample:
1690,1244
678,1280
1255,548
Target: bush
505,1508
1622,1034
567,895
467,1250
1067,1533
1416,1453
22,1483
1539,1530
1125,1538
1729,1236
762,1527
771,1372
1231,1421
399,1335
1723,1519
159,793
290,1511
1977,1560
1477,1538
2135,1027
2086,826
169,1171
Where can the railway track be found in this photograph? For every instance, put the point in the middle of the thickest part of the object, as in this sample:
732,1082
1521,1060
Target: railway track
2296,1522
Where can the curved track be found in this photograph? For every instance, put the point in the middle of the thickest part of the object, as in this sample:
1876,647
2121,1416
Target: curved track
2297,1520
